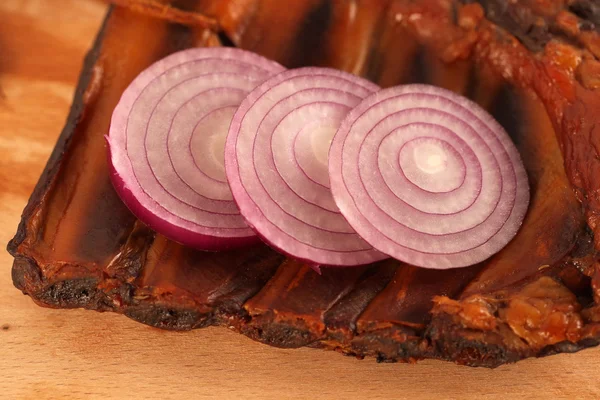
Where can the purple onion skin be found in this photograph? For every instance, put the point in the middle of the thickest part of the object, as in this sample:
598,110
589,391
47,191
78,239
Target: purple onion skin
180,235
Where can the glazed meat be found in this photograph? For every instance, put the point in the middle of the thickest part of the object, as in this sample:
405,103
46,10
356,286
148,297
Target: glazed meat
532,64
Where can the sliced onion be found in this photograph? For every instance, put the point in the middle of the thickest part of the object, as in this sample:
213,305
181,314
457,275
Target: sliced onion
428,177
167,138
276,164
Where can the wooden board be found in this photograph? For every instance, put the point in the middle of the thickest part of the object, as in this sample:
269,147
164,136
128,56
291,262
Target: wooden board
76,354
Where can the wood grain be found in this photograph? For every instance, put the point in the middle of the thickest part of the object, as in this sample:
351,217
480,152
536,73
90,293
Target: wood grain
55,354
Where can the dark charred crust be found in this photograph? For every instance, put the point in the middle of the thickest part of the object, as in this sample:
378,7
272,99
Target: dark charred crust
451,342
166,317
588,10
25,274
520,21
475,353
393,344
566,347
479,313
284,335
74,293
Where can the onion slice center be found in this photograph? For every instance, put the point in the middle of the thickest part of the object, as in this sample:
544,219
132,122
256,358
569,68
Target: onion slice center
428,177
166,144
276,160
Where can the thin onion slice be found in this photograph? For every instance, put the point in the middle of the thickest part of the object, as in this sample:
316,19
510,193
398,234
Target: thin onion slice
428,177
276,164
166,144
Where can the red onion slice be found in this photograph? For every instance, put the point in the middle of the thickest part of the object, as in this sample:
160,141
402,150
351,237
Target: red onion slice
276,164
428,177
167,139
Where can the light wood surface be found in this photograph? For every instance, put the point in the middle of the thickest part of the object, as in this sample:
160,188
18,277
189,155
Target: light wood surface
76,354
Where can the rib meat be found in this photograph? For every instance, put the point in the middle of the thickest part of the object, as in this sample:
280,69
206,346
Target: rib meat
533,64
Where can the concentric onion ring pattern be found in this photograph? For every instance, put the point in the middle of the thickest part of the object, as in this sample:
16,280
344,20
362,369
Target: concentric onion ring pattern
167,139
276,163
428,177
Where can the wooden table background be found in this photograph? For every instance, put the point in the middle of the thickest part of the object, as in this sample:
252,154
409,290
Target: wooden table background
76,354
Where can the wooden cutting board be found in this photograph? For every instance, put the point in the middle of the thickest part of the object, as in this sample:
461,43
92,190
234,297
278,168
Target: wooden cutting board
51,354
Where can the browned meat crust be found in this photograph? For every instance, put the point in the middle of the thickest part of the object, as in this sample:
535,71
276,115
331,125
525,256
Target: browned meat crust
533,64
